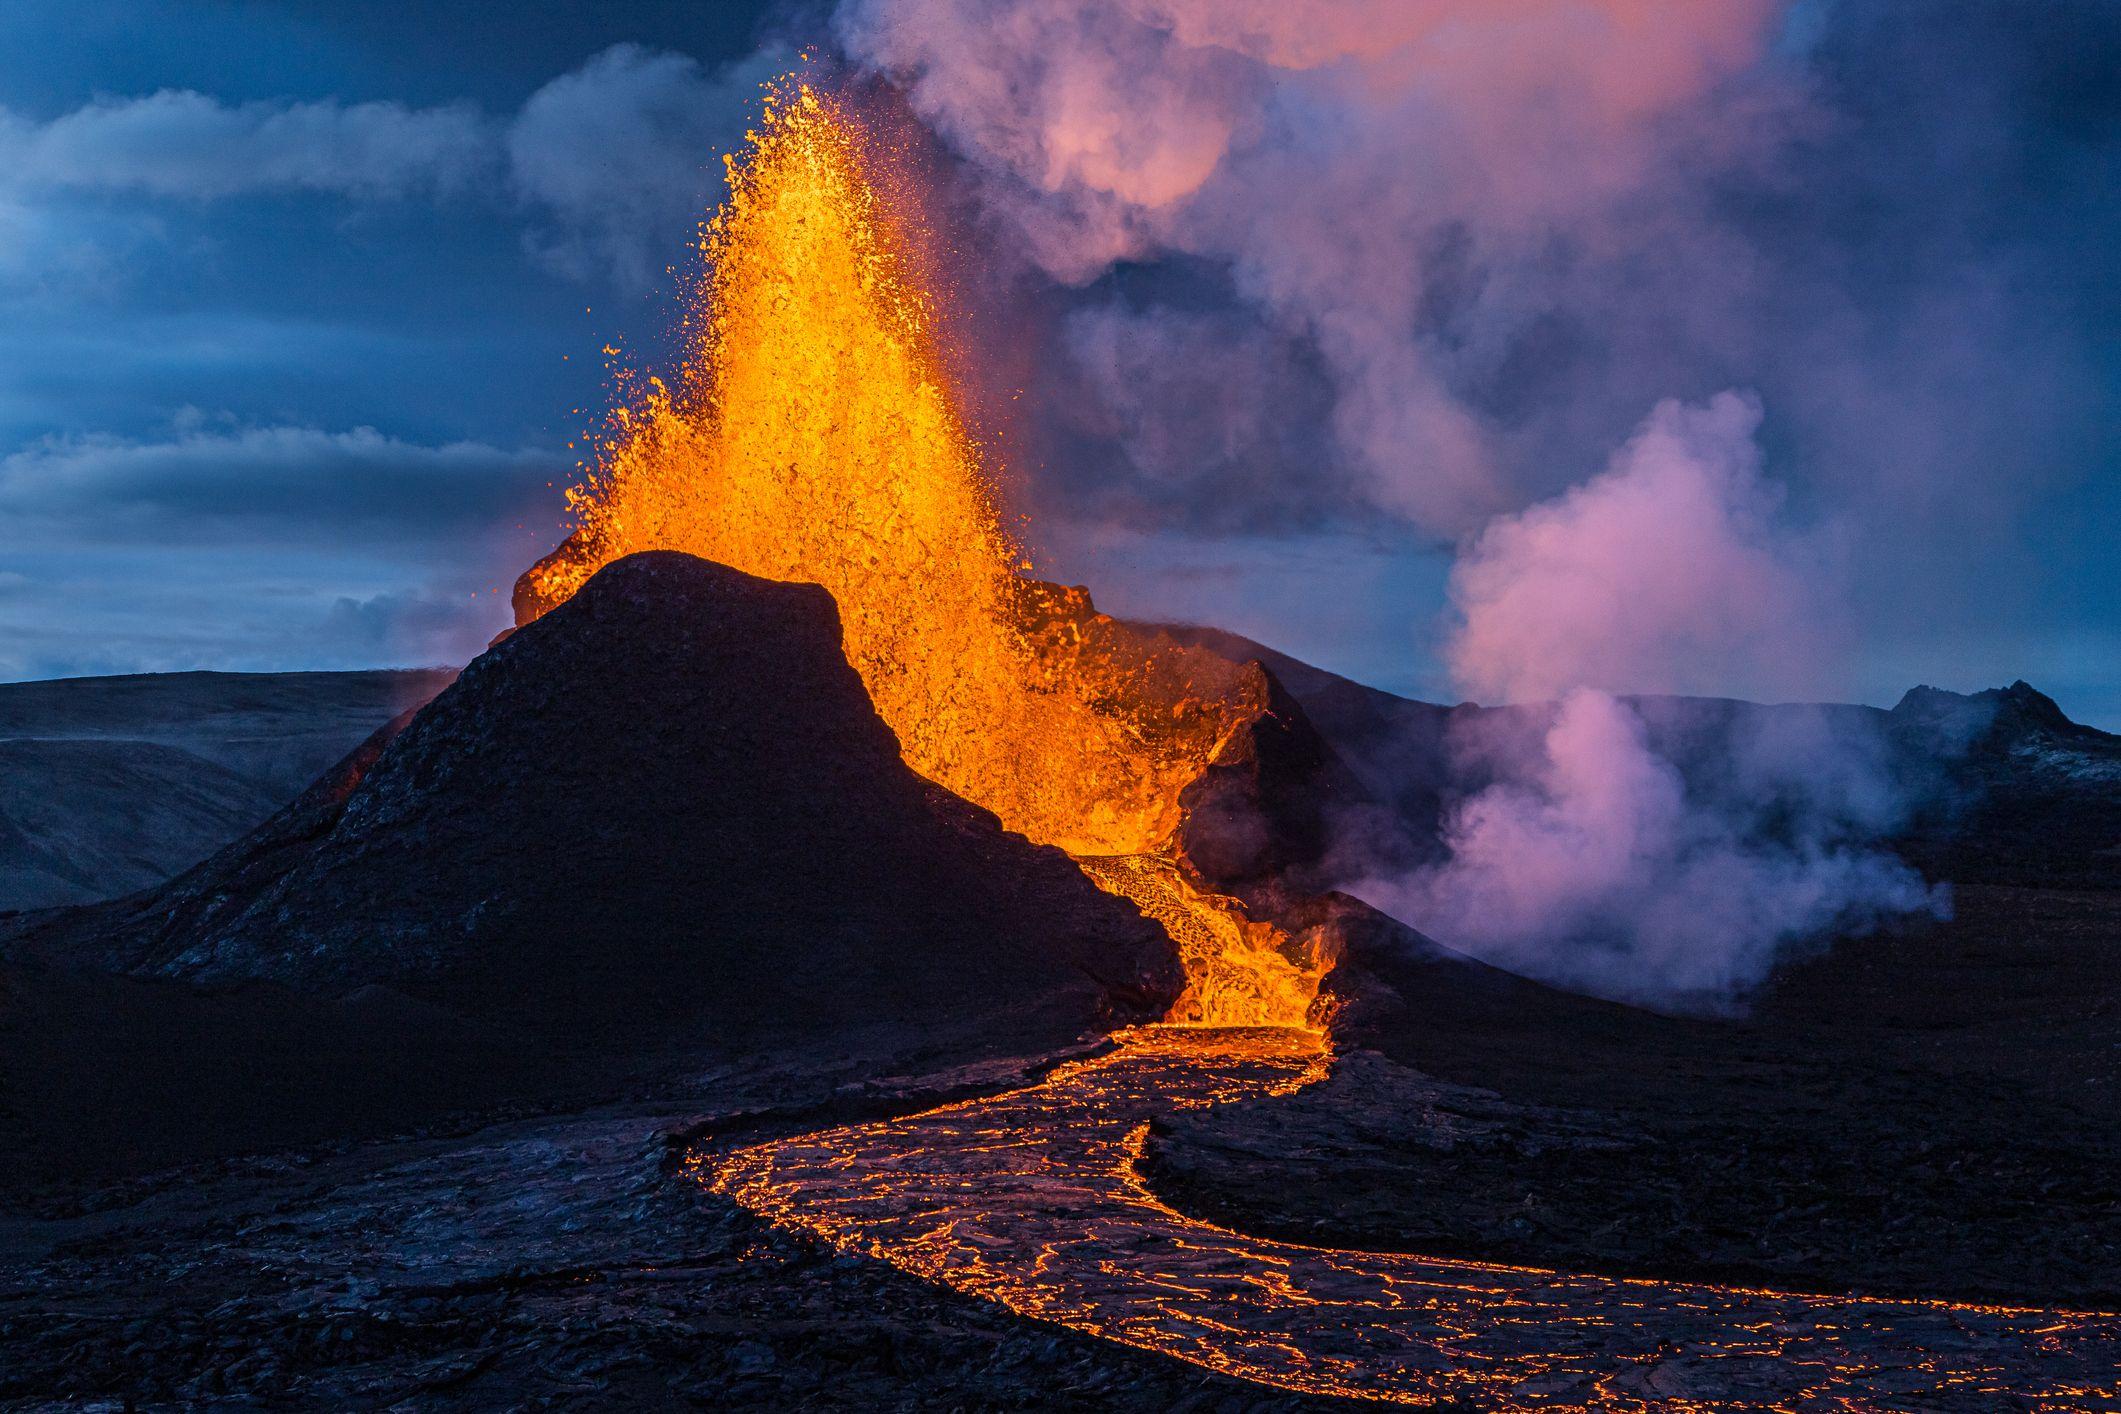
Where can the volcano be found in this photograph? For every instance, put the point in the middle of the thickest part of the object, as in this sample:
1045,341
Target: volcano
666,808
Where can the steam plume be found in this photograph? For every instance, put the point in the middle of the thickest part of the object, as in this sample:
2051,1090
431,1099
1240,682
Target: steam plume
1667,573
1592,860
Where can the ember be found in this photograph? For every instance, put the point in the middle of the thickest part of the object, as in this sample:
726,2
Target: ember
814,435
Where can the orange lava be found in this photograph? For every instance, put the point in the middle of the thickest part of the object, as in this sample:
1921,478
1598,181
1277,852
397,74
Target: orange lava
814,435
1036,1200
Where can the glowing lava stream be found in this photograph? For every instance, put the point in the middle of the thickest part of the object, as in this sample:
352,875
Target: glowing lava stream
1033,1200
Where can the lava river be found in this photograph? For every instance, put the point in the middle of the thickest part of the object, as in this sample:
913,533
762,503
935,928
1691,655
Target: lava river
1033,1199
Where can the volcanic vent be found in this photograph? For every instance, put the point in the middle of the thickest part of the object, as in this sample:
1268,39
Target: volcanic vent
813,435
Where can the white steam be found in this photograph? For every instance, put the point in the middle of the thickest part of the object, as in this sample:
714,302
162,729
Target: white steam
1590,866
1670,572
1591,859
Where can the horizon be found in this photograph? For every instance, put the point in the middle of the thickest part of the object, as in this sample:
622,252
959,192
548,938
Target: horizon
1433,702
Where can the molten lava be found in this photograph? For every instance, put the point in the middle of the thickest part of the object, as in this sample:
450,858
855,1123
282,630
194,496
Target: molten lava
813,435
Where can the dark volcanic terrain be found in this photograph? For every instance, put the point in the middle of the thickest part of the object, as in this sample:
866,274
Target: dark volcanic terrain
113,784
1933,1111
389,1103
561,1262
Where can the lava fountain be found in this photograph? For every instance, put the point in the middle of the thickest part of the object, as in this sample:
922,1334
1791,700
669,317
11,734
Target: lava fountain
813,433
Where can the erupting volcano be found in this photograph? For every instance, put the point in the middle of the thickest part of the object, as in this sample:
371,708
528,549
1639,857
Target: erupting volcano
813,434
1482,938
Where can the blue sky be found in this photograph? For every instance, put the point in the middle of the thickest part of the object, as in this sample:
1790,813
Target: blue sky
303,302
295,344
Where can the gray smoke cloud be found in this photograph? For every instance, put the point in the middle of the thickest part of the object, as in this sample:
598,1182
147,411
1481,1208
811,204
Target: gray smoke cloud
1342,162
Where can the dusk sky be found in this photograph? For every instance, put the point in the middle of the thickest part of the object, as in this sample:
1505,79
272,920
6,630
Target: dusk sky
304,303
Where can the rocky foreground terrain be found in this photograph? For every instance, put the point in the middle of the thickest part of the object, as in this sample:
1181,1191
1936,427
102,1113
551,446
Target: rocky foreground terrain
1930,1111
535,1263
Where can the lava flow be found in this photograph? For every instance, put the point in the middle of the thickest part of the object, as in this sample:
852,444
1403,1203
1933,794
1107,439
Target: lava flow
814,435
1035,1200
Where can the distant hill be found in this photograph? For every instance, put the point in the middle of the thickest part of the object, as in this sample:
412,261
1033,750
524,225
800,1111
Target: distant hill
111,784
83,820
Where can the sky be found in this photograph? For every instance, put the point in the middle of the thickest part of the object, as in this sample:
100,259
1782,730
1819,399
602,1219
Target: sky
1359,328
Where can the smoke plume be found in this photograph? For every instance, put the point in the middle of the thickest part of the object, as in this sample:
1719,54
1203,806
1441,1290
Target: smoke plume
1360,170
1666,850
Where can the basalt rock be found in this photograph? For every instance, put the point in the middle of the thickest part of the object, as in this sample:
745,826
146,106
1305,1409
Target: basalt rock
1262,814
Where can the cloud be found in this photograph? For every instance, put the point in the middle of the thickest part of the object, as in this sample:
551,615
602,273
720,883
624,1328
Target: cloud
245,608
409,626
617,161
286,483
622,156
260,548
178,143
